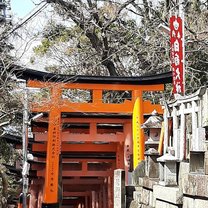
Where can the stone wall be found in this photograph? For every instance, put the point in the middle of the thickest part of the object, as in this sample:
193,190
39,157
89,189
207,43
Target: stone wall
148,194
183,167
191,192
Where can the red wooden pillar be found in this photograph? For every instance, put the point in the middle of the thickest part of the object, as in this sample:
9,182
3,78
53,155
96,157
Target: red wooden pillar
105,199
100,198
40,197
53,151
86,202
110,192
138,132
120,156
33,195
96,200
90,201
128,150
93,199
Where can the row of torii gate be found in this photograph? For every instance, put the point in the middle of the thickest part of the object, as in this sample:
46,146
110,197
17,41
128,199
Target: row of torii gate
78,145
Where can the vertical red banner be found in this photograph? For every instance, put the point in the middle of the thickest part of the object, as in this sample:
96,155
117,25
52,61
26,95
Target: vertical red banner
177,54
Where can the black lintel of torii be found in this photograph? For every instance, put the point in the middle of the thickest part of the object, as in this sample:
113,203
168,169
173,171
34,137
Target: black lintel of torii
30,74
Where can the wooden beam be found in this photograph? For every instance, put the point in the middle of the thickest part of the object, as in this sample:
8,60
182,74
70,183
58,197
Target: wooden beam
39,131
74,181
112,147
66,106
82,188
121,87
76,166
80,130
68,137
83,181
69,173
97,120
70,193
66,160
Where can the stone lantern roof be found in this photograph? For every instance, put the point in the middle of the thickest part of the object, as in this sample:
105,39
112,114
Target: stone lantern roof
153,122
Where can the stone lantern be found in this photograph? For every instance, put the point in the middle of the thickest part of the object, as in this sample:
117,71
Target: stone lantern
153,127
168,170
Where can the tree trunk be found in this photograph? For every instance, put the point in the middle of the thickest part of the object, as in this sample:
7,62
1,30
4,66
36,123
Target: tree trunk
110,66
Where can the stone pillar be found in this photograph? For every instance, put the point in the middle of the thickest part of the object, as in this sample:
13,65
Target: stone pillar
119,188
152,166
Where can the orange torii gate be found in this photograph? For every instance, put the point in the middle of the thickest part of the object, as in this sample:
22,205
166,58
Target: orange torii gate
85,142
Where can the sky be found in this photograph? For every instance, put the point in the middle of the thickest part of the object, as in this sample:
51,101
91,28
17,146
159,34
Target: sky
22,7
27,38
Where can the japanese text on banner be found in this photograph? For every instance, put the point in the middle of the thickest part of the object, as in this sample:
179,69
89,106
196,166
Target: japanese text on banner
176,55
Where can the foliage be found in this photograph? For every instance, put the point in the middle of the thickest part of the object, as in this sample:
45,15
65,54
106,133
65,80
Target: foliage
9,187
10,106
103,36
96,37
120,38
197,46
